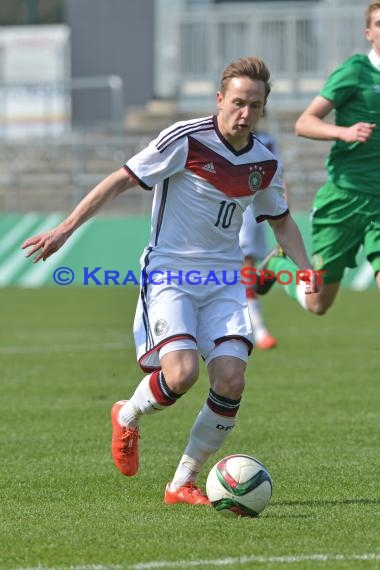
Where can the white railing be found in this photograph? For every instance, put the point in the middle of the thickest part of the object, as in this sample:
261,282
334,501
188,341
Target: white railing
54,173
47,108
300,42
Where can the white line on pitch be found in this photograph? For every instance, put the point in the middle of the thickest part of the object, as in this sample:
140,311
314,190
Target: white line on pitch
40,349
241,560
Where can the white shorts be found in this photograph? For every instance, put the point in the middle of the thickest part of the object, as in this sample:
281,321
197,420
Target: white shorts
206,315
252,237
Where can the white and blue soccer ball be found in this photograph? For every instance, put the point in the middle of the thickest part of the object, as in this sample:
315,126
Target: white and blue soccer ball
239,485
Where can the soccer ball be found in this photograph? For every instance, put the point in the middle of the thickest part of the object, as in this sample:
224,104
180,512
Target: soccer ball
239,485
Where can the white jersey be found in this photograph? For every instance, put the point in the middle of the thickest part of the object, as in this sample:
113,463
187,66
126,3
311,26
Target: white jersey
252,235
202,187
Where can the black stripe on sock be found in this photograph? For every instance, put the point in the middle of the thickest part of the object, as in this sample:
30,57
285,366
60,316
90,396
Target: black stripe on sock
169,394
222,405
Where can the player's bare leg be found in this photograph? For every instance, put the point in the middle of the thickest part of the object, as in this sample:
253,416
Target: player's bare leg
319,303
213,424
227,376
181,369
156,392
263,339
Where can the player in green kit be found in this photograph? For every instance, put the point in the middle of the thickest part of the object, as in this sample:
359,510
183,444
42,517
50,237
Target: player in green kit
346,210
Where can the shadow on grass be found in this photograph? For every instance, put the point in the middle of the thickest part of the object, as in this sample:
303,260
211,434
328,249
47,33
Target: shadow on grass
322,503
315,503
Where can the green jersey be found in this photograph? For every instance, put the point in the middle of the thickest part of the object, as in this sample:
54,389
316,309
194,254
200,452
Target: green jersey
354,90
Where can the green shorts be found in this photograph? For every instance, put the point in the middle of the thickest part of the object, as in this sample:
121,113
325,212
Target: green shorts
342,221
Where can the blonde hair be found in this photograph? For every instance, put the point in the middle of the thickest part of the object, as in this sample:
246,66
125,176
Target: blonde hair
368,13
252,67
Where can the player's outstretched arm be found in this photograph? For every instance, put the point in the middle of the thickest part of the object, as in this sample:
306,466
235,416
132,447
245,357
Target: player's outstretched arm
289,237
49,242
311,124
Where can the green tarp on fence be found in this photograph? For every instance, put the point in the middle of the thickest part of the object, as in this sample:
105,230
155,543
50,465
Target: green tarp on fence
110,243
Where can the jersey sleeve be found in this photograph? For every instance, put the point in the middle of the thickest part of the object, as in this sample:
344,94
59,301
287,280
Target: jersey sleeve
271,203
150,166
342,83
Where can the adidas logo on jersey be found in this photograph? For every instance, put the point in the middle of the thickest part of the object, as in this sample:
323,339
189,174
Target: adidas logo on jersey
209,167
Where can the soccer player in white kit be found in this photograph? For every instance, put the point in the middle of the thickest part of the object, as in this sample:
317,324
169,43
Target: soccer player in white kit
204,172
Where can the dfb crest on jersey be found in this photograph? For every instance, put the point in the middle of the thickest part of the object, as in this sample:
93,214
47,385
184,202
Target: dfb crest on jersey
254,180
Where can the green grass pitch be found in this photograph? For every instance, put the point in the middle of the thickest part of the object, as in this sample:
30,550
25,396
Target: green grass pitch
310,412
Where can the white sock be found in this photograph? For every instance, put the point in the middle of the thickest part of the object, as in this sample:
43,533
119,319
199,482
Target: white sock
207,435
259,328
301,294
142,402
187,470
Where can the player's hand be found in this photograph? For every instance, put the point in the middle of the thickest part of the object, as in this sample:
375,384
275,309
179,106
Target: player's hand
312,280
45,243
360,132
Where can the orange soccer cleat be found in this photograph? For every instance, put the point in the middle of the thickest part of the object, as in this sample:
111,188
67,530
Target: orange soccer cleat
266,342
188,493
125,440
